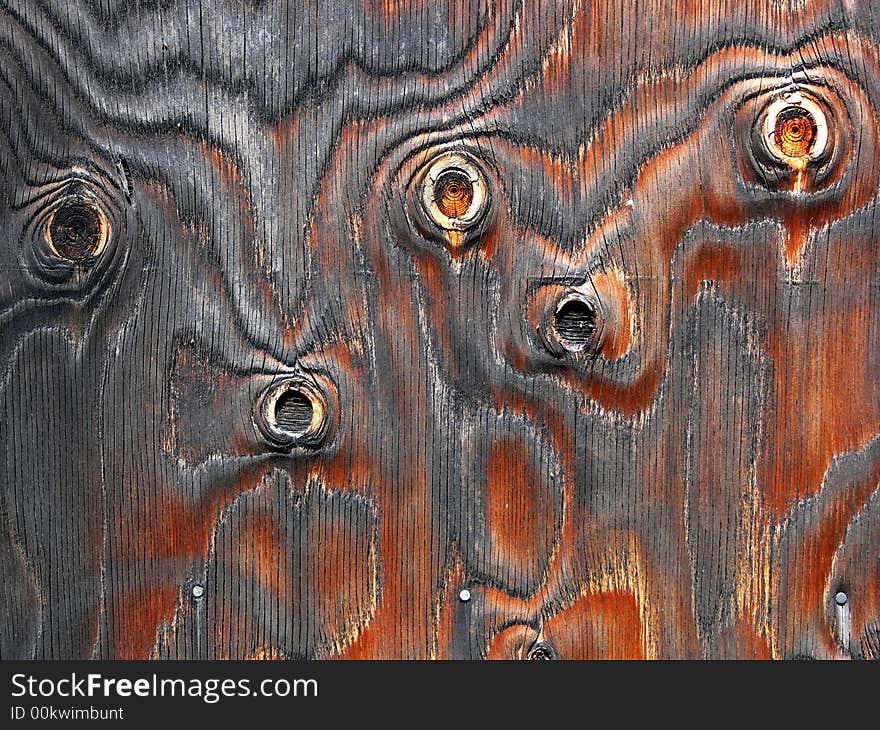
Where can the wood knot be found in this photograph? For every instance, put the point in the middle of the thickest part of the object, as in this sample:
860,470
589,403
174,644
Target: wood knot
575,322
293,412
454,192
77,230
795,130
541,651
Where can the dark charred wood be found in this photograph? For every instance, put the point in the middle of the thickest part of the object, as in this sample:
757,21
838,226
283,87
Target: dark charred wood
451,329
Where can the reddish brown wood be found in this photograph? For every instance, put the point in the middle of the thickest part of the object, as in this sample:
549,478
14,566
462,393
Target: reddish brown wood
334,310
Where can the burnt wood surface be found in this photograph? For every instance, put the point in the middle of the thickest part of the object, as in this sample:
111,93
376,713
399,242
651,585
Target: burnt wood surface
439,329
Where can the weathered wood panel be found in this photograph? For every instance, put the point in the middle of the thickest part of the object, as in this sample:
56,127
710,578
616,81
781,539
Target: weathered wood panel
314,315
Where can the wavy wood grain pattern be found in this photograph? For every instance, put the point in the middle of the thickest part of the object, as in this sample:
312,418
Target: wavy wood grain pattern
314,315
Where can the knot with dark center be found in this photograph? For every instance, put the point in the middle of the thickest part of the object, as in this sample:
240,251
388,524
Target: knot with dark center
77,230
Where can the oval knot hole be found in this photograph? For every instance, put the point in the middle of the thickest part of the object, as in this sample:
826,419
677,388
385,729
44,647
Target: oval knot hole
795,132
293,412
454,193
76,230
542,652
575,323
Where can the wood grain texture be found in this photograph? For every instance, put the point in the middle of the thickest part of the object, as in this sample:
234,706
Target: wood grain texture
616,374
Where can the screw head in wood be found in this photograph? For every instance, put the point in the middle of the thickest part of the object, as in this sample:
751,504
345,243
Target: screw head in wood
841,598
198,591
464,595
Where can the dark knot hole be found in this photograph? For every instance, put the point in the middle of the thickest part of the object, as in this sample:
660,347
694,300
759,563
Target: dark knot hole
293,412
575,322
76,230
